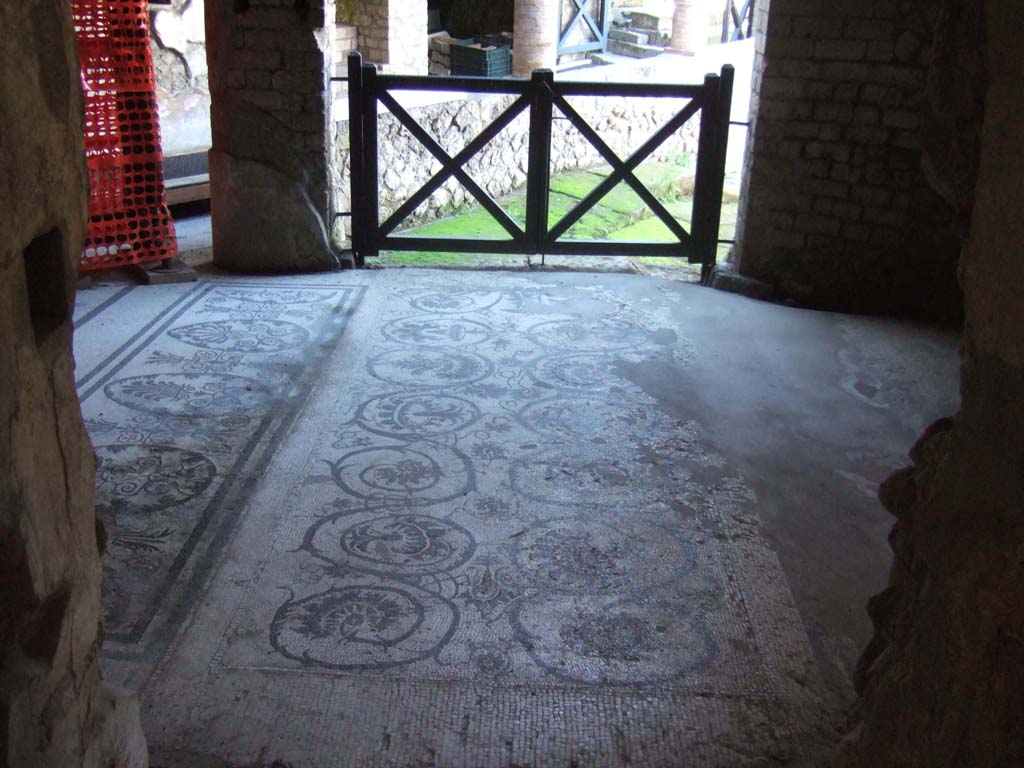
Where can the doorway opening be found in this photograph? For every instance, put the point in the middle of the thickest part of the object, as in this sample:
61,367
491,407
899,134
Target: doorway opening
541,229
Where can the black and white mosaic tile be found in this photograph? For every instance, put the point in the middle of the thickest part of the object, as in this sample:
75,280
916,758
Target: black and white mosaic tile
491,497
183,415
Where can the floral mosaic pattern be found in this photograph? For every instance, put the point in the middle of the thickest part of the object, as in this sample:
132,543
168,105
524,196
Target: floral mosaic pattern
505,505
179,419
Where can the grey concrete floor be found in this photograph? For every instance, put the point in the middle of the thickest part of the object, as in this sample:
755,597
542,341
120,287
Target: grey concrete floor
414,517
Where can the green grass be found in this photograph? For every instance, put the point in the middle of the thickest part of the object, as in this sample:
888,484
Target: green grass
621,215
433,258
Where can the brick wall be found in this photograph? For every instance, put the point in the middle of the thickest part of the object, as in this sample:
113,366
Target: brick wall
836,210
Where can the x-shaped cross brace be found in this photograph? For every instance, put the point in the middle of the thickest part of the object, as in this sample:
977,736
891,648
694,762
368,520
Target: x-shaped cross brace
582,12
622,170
453,166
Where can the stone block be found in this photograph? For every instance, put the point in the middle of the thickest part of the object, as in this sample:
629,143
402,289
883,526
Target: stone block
263,220
849,71
866,115
869,29
833,112
854,232
872,93
897,118
818,27
867,134
725,279
884,216
791,47
870,195
817,224
880,50
247,59
827,188
840,50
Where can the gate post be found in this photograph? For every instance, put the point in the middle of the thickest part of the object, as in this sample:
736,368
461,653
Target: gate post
356,182
712,144
703,185
724,113
371,232
539,167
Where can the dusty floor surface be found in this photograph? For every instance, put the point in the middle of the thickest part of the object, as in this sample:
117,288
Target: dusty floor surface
450,518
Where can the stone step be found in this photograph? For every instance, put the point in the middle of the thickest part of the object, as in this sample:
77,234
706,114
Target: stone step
629,36
648,21
634,50
601,58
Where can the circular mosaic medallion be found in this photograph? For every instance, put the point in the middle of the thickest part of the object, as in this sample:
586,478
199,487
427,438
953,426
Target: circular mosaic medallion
566,555
243,336
602,483
149,478
610,641
189,394
392,545
430,368
417,474
587,335
414,415
455,302
364,627
586,371
590,419
432,331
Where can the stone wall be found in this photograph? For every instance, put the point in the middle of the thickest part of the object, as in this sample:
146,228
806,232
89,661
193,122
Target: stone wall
372,21
54,712
839,213
346,39
943,680
393,33
269,64
500,168
440,49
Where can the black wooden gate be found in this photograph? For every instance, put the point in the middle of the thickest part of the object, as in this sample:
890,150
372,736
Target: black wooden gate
583,26
538,96
737,23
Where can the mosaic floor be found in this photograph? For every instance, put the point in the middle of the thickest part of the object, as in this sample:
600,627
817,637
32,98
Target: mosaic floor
432,519
182,414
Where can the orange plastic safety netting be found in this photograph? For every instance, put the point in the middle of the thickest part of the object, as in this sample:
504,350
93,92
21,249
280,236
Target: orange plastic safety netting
129,222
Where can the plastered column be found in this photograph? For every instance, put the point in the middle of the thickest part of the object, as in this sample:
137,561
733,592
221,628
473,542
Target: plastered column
689,26
535,41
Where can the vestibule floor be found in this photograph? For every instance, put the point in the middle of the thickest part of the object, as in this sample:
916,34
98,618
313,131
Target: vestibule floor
413,517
